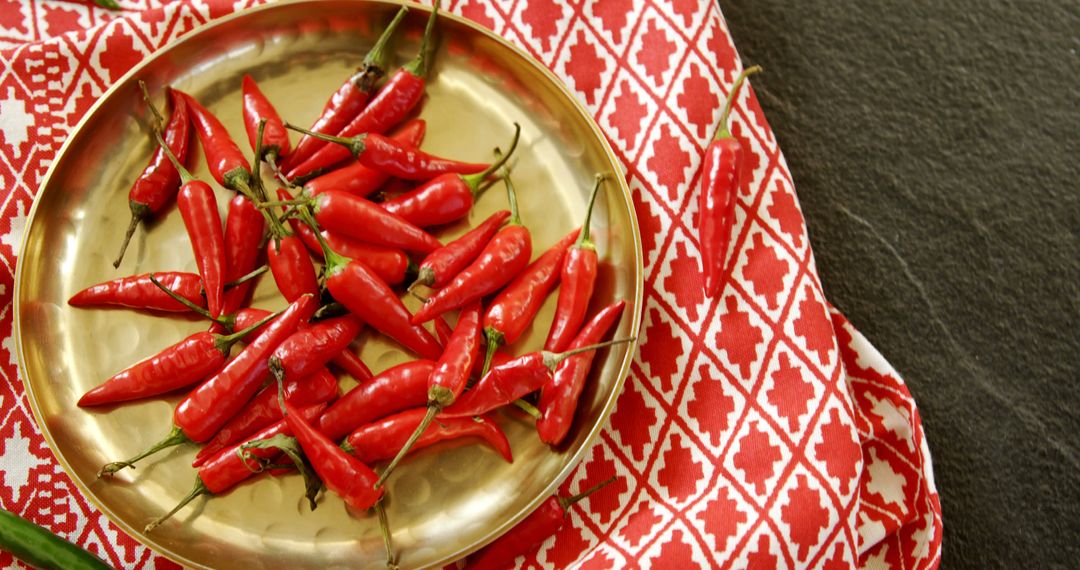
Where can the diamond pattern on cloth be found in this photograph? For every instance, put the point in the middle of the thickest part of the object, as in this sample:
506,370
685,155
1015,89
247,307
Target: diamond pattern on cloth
756,430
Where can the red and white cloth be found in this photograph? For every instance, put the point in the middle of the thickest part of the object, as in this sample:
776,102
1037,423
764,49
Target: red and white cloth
757,430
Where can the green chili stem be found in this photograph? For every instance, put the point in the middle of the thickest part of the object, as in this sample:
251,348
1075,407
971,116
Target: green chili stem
723,132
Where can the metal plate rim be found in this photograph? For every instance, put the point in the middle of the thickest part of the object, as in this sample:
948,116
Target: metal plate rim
636,314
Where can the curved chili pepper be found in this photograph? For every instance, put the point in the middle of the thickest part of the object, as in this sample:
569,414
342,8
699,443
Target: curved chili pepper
384,438
275,141
388,263
530,533
504,384
234,465
720,173
359,218
312,347
576,283
343,474
159,181
359,180
354,285
227,164
399,388
244,230
175,367
263,410
138,292
198,207
559,396
202,413
390,106
351,98
502,259
447,198
513,309
449,377
390,157
441,265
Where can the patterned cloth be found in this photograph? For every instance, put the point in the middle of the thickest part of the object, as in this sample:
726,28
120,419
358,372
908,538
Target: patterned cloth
757,430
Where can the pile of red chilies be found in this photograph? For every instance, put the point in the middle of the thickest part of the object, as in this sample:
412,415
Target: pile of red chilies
276,403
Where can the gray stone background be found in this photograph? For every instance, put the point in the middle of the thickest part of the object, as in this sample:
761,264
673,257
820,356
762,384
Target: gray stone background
934,147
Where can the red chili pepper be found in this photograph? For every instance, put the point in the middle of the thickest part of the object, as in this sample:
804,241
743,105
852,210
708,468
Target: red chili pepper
275,141
502,259
384,438
513,309
263,410
138,292
390,157
175,367
441,265
213,403
445,199
230,467
719,191
559,396
354,285
358,218
388,263
357,179
399,388
244,230
291,266
351,98
576,283
504,384
390,106
202,413
313,346
443,331
530,533
159,181
449,377
227,164
198,207
343,474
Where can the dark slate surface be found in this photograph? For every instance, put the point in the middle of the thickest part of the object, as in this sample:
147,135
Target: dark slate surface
934,147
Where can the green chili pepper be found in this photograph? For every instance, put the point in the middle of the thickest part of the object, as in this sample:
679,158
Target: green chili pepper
40,548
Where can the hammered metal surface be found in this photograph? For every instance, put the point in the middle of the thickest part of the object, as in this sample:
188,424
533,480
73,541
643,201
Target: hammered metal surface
445,501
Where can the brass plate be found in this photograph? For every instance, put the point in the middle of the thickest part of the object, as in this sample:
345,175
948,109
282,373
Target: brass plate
444,502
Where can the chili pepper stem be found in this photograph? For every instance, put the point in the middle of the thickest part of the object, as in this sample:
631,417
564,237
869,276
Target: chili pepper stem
138,213
224,343
551,359
329,310
723,132
419,66
331,259
566,502
355,144
198,491
584,240
433,409
384,529
248,277
425,276
371,69
175,437
158,118
273,203
511,194
474,180
494,341
527,408
185,302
